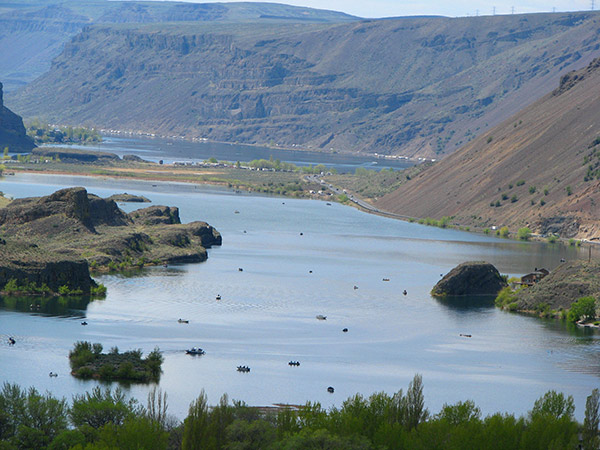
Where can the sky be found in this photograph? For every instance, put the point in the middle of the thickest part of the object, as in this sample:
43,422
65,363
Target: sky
452,8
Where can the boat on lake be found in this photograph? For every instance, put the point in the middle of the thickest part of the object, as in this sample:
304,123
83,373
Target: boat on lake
195,351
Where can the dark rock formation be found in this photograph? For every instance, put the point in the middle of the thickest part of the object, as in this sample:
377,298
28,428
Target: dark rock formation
52,239
74,203
12,130
470,278
125,198
74,274
156,214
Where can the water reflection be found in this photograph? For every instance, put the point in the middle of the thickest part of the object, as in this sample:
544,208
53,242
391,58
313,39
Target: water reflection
72,306
467,302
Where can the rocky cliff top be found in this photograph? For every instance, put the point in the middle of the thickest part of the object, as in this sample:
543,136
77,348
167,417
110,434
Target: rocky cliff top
12,130
470,278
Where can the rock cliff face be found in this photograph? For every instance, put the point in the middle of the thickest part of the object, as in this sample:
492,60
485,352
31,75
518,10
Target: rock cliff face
54,274
470,278
52,239
439,81
12,130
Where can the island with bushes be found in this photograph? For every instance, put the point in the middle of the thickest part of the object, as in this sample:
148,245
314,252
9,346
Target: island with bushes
88,361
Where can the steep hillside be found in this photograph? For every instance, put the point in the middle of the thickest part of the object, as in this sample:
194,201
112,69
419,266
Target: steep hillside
33,32
411,86
12,131
540,168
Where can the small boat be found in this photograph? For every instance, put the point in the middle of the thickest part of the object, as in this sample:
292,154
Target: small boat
183,321
345,330
404,292
386,279
52,374
321,317
195,351
240,269
236,212
294,363
218,297
330,389
301,234
465,335
355,287
11,341
84,323
328,204
244,369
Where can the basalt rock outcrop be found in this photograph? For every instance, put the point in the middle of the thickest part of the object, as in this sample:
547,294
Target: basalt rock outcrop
12,130
470,278
54,239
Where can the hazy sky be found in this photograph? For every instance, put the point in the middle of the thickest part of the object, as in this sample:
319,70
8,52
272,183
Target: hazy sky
392,8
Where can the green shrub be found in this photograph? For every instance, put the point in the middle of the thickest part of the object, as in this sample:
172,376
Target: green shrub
503,232
568,189
552,239
583,308
520,182
486,231
532,189
514,198
524,233
505,297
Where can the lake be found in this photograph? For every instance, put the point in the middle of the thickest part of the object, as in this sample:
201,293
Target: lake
177,150
267,315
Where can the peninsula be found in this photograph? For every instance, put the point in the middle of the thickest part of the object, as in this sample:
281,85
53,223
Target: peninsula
50,243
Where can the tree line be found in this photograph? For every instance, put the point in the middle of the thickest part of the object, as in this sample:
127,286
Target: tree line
106,419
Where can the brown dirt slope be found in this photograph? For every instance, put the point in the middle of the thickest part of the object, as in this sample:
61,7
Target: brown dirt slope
538,168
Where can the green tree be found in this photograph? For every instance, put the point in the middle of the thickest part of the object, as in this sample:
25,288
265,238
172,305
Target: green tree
524,233
553,404
102,407
195,432
415,404
460,413
503,232
583,308
591,439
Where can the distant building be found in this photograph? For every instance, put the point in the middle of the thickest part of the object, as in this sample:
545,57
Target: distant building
531,278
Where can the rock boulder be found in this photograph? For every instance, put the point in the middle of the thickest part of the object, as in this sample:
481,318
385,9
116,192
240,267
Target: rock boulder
470,278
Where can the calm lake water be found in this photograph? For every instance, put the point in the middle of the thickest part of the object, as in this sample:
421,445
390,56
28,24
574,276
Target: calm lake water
267,313
172,150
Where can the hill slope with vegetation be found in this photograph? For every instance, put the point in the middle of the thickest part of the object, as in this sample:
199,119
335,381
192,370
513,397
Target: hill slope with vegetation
540,169
439,81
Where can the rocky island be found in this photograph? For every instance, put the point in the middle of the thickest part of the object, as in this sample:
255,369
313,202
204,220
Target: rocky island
50,243
470,278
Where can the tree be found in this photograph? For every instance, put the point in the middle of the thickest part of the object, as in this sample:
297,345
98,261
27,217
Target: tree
583,308
195,430
553,404
460,413
102,407
415,412
524,233
591,438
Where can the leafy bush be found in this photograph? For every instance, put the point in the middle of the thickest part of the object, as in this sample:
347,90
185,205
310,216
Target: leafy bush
584,308
524,233
532,189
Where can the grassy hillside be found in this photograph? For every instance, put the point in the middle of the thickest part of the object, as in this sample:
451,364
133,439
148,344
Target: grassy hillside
412,86
538,169
33,32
